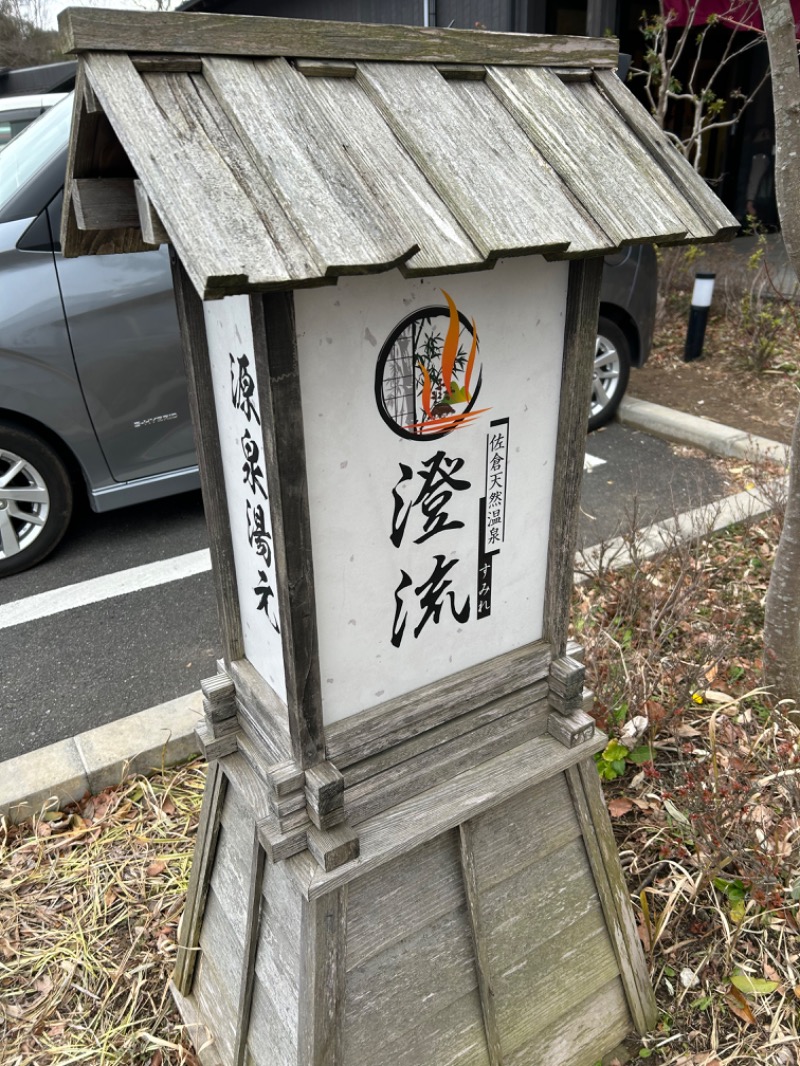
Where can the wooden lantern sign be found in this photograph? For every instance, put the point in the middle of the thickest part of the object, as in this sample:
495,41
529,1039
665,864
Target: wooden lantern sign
388,247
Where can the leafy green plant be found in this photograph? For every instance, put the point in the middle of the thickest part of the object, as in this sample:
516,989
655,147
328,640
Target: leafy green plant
613,760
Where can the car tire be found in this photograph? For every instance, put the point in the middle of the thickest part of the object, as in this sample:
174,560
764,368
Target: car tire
612,368
36,499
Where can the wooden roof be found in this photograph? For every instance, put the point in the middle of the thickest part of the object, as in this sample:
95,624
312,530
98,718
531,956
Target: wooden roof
275,153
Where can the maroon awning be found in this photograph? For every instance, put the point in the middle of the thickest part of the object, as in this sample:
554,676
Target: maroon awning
745,16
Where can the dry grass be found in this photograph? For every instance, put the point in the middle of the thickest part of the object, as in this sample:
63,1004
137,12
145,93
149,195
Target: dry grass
703,784
702,788
89,905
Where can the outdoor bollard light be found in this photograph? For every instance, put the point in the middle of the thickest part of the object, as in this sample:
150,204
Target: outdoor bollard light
698,316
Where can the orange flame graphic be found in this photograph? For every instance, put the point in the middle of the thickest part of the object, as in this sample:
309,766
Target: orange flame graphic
450,349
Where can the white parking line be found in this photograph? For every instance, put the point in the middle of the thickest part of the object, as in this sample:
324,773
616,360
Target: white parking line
104,588
591,461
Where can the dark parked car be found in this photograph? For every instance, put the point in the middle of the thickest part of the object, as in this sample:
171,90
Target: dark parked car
93,396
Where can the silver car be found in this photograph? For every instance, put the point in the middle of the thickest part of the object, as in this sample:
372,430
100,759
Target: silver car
93,399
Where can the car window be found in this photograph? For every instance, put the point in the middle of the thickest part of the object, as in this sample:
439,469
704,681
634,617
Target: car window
33,148
14,123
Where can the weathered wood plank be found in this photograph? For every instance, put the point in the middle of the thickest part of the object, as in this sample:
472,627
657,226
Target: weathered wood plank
516,208
282,915
453,1037
652,175
396,720
480,933
251,938
312,176
206,437
223,948
462,71
580,336
322,980
190,102
609,173
167,64
689,183
197,1029
503,841
446,805
232,231
94,149
587,795
583,1034
151,225
462,753
433,738
536,905
251,790
105,203
270,1043
394,179
205,851
403,988
280,947
263,715
580,956
216,988
231,870
83,30
326,68
275,346
392,903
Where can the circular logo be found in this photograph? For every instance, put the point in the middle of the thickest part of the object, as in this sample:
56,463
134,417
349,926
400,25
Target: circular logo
428,376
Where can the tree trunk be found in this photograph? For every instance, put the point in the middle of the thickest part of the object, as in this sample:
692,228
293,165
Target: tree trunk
782,615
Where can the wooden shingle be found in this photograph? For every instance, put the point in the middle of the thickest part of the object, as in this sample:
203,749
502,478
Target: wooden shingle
282,153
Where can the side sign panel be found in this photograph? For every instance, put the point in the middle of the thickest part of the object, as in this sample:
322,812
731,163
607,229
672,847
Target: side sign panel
430,410
233,371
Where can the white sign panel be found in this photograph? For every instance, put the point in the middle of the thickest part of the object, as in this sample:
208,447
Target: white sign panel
233,371
430,410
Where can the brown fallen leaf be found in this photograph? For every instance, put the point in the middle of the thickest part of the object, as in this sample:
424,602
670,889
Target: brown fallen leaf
738,1004
155,868
618,807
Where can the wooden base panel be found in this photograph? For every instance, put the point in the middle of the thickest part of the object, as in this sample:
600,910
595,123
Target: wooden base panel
485,923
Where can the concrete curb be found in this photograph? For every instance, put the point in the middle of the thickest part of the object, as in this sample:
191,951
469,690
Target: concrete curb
63,772
164,735
712,437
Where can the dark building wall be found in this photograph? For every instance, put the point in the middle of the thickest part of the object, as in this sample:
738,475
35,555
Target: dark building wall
387,11
505,15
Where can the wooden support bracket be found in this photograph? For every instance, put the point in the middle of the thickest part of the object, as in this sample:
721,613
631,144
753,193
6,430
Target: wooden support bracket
216,747
153,231
219,697
571,730
565,685
105,203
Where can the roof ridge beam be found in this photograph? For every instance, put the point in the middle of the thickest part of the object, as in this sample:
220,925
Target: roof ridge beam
98,30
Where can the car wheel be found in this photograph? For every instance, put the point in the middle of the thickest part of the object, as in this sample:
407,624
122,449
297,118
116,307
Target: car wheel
612,368
35,499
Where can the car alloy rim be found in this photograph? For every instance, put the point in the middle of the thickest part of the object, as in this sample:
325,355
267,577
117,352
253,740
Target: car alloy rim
605,381
24,504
